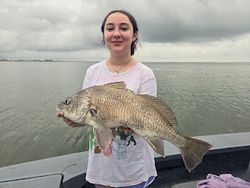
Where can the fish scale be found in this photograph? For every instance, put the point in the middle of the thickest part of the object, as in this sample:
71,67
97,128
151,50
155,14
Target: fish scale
117,99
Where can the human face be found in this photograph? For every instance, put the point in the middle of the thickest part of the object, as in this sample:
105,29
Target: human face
118,33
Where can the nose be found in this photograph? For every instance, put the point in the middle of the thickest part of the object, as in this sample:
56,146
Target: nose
117,33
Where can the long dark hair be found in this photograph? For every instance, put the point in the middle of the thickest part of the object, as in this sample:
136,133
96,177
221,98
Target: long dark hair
133,22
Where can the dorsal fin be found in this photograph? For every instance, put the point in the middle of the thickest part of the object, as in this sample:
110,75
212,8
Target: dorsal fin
162,108
116,85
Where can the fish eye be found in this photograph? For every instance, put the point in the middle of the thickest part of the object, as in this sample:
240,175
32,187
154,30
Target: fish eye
67,101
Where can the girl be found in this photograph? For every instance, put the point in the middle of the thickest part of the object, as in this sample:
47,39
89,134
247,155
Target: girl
131,163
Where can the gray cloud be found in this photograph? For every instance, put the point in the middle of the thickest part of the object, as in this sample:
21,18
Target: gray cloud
46,26
193,21
74,27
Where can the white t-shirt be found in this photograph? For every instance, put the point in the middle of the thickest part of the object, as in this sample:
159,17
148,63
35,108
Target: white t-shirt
128,164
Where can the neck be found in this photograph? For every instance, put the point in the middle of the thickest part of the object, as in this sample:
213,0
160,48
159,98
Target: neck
121,59
120,64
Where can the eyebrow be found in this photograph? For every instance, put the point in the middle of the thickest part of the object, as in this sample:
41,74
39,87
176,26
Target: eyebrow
111,24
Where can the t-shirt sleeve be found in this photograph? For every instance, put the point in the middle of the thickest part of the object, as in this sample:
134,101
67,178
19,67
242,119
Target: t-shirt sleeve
87,79
148,83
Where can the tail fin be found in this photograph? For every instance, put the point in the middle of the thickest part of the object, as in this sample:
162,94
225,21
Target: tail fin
193,152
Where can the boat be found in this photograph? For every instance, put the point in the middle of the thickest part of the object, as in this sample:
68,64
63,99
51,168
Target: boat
230,154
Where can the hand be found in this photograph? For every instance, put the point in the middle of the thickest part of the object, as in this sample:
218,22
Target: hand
68,121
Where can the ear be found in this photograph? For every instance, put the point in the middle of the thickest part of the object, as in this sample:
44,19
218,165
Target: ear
135,36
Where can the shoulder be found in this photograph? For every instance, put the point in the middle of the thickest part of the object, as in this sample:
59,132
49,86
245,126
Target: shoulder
145,71
93,68
144,68
148,83
92,73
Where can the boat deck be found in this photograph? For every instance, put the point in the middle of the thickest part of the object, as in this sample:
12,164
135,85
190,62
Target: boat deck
172,173
230,154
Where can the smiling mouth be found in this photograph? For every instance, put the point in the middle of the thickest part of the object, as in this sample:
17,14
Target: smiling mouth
117,42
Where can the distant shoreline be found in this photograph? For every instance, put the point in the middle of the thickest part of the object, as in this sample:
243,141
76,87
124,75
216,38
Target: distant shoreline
42,60
54,60
46,60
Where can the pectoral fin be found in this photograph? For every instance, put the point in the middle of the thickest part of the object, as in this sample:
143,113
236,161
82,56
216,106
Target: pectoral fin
103,135
157,145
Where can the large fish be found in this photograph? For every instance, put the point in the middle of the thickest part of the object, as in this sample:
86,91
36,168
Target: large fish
112,105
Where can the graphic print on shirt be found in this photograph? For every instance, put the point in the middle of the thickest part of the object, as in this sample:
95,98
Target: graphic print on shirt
122,138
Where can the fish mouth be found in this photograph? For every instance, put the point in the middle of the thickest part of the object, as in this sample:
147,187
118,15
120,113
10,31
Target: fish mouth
59,110
75,120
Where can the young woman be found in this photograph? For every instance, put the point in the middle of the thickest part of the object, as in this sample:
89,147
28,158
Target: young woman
131,163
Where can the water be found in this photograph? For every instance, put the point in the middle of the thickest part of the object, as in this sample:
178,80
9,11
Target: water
207,98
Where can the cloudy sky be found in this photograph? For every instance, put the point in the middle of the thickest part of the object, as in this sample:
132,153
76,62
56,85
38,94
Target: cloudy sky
169,30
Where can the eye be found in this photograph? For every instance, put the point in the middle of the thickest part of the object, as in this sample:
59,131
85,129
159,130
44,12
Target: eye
109,28
124,28
67,101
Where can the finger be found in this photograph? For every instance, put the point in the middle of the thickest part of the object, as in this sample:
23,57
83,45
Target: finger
60,114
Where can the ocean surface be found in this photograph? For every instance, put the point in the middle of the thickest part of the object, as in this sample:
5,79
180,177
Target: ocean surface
207,98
